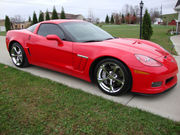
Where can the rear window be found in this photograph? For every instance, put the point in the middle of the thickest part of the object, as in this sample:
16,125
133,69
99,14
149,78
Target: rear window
32,28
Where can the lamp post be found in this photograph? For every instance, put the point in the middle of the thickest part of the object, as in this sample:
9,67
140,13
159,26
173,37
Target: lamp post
141,7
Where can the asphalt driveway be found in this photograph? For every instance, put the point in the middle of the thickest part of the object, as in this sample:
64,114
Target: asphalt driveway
166,105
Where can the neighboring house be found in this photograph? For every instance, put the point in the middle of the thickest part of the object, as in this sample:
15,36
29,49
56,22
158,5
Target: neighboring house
2,25
92,20
158,21
19,25
68,16
177,8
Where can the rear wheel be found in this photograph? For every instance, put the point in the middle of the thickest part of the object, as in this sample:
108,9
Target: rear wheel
18,55
113,77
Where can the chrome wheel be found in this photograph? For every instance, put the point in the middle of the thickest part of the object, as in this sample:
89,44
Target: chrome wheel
110,77
16,55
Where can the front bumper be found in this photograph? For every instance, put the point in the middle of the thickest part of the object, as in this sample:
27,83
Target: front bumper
142,81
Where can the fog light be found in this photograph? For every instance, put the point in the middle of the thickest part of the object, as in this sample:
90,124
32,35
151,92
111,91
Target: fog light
156,84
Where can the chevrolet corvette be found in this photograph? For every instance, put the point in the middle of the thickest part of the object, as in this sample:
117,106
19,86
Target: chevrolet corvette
81,49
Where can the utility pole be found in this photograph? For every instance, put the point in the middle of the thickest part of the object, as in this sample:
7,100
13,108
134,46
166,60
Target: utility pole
161,14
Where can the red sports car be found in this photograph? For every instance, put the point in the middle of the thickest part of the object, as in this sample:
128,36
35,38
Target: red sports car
83,50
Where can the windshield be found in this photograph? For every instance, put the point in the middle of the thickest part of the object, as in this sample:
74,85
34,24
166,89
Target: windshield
85,32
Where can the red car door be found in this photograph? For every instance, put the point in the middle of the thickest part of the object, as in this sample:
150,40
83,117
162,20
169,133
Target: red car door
48,53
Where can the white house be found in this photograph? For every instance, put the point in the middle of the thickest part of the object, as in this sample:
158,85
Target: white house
2,25
177,8
158,21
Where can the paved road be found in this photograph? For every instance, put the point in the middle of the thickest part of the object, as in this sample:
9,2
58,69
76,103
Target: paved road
166,105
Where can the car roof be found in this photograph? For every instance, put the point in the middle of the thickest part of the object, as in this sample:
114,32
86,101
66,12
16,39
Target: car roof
57,21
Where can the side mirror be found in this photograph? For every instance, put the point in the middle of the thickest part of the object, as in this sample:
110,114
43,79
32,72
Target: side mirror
55,37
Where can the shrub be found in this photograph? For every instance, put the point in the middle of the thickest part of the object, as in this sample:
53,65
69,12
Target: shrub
147,30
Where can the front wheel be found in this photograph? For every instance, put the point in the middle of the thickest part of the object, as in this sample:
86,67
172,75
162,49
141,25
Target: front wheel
18,55
113,77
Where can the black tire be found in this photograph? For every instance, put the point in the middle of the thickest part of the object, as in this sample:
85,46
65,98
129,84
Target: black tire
18,55
112,77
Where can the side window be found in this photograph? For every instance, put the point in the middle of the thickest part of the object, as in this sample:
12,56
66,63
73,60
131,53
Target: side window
50,29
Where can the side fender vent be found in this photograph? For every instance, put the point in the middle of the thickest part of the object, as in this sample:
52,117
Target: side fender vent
80,62
29,52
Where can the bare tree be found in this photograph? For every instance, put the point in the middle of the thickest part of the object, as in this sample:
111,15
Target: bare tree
137,10
137,13
117,19
17,18
131,10
90,16
126,9
154,13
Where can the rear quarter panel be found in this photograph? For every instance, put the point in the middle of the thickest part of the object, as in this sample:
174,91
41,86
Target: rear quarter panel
20,36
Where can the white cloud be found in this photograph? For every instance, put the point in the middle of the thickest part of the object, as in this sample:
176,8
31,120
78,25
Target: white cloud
99,7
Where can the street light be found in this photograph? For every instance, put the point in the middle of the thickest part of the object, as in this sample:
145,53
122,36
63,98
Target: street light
141,7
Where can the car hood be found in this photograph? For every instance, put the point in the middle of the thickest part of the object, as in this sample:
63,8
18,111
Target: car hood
137,46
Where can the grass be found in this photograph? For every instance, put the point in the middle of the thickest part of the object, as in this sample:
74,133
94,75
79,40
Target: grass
159,36
33,105
2,33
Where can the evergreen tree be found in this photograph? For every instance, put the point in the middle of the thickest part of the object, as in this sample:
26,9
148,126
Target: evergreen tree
112,19
63,16
7,23
147,30
107,19
41,16
34,18
54,14
123,19
29,20
47,15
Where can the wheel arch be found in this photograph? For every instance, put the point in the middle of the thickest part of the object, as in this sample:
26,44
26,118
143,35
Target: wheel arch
26,62
97,60
11,43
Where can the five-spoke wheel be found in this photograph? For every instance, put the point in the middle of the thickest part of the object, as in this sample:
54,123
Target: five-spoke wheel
18,55
113,77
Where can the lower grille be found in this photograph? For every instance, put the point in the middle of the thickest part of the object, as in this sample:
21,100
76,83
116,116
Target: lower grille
169,80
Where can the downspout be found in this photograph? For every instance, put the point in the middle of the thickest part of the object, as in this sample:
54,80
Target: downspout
177,27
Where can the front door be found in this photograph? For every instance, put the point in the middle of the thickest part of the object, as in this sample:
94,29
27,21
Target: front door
48,53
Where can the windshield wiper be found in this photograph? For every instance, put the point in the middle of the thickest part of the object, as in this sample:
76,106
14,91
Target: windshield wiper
93,41
108,38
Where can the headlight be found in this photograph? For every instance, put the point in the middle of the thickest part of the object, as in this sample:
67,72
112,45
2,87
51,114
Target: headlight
148,61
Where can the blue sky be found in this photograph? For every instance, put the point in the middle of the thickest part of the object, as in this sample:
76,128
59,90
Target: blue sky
99,8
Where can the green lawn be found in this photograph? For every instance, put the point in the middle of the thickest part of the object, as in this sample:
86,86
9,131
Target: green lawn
31,105
2,33
132,31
